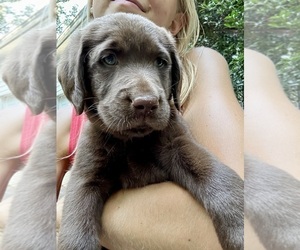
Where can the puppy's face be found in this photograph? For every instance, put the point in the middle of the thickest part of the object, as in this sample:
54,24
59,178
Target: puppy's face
127,74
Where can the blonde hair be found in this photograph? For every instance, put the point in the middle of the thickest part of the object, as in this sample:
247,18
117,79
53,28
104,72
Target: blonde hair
186,39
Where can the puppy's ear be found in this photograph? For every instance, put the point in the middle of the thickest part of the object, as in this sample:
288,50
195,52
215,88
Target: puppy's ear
18,73
12,70
34,96
176,78
42,73
42,84
71,72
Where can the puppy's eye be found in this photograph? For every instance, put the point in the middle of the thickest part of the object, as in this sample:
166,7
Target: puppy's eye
160,62
110,60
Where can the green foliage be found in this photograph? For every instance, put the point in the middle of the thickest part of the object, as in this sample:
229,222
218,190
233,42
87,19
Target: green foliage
223,26
273,28
64,16
9,19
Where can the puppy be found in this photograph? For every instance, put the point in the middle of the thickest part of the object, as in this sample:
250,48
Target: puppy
30,74
123,71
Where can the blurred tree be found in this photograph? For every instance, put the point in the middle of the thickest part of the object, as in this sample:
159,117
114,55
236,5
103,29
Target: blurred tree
64,16
9,18
273,28
223,30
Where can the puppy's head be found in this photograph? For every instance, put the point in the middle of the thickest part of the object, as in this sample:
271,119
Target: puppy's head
124,71
29,71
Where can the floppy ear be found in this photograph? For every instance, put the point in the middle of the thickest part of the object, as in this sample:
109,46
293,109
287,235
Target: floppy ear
18,73
71,72
43,80
12,70
34,96
176,73
44,66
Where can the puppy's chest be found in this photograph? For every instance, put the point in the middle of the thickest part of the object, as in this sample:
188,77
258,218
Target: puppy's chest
142,166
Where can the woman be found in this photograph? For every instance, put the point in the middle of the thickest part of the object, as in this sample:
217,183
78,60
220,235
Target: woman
164,215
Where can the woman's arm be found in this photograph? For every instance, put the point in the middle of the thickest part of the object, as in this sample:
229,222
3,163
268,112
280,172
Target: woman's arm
213,112
272,123
159,216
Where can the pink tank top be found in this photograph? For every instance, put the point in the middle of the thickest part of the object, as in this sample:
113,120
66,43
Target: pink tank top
31,126
77,122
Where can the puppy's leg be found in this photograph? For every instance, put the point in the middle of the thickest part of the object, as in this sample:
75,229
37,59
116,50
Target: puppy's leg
80,228
272,204
31,223
218,188
88,188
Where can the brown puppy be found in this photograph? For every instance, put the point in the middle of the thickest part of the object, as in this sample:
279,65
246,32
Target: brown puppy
124,72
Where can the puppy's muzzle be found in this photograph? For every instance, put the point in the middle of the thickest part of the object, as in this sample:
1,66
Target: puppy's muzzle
143,106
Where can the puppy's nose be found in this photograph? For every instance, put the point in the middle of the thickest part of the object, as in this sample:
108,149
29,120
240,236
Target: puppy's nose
144,105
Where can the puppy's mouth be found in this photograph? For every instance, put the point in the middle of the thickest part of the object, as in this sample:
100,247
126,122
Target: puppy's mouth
127,120
138,131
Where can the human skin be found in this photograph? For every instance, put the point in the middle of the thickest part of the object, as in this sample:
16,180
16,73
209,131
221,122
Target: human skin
163,13
272,123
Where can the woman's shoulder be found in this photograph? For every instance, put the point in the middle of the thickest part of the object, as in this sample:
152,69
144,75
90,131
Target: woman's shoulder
204,55
257,59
